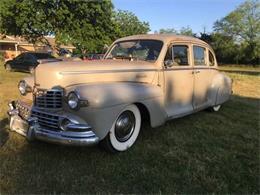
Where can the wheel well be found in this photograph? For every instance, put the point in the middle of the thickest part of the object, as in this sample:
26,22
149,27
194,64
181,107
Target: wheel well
145,115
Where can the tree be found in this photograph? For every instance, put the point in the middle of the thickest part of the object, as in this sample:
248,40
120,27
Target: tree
243,25
168,31
183,31
86,24
186,31
128,24
207,37
226,49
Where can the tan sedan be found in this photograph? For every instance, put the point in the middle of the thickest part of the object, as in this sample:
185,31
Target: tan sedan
153,77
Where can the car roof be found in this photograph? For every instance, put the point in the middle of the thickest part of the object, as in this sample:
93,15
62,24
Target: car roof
164,38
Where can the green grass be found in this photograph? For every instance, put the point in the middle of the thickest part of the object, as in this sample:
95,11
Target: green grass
234,67
201,153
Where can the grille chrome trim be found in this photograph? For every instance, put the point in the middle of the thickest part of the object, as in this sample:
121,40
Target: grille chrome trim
49,99
47,120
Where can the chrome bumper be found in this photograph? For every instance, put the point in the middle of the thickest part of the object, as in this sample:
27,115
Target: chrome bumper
81,136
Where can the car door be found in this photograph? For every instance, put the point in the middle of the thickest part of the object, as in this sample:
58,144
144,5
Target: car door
178,80
202,77
29,62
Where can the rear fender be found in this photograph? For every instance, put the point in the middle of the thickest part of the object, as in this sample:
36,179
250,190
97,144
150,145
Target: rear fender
221,89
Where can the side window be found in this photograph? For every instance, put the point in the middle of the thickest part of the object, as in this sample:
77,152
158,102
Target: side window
199,55
211,59
180,55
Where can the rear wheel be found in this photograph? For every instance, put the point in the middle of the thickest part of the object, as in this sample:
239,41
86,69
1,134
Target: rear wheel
124,131
215,108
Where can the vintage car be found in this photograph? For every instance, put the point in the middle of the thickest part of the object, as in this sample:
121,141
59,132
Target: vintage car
28,61
142,77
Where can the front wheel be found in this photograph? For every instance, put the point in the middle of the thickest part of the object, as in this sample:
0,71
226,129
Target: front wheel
124,131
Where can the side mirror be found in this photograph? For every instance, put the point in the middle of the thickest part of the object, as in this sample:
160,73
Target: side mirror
168,63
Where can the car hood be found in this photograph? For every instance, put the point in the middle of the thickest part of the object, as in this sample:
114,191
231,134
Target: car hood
69,73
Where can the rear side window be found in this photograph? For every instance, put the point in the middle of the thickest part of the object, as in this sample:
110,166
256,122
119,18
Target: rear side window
211,59
199,55
180,55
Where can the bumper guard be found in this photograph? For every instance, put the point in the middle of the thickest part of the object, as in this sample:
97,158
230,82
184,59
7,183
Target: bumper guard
77,134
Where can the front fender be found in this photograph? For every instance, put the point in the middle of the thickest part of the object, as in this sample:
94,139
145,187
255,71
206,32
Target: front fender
30,81
103,95
107,100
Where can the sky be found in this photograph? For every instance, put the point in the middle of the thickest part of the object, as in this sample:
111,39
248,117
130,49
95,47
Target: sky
196,14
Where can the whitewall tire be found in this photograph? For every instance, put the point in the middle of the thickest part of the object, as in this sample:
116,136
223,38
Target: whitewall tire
124,131
216,108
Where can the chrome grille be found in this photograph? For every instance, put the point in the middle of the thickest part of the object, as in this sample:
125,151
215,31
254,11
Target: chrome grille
49,98
46,120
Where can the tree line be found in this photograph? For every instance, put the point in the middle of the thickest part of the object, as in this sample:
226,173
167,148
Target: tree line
235,37
88,25
91,25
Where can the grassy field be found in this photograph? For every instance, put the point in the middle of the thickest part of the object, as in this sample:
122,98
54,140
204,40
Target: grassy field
241,69
201,153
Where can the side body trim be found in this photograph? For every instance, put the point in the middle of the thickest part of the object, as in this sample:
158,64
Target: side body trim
131,70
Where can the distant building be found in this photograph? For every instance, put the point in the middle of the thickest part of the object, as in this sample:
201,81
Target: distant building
12,46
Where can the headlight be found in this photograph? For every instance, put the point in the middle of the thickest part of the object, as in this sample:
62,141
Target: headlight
73,101
24,88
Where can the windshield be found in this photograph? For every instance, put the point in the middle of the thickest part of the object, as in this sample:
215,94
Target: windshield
147,50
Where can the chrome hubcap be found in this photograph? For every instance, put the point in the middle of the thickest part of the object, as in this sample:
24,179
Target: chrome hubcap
124,126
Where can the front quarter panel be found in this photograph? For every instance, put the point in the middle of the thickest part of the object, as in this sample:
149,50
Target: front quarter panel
103,95
30,81
107,100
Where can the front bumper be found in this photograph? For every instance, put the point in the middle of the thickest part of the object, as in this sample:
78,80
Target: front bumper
82,134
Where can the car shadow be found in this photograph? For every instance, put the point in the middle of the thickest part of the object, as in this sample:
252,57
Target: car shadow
62,169
246,72
4,133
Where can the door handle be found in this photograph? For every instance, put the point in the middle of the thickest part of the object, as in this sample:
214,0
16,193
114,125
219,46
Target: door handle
195,71
141,75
